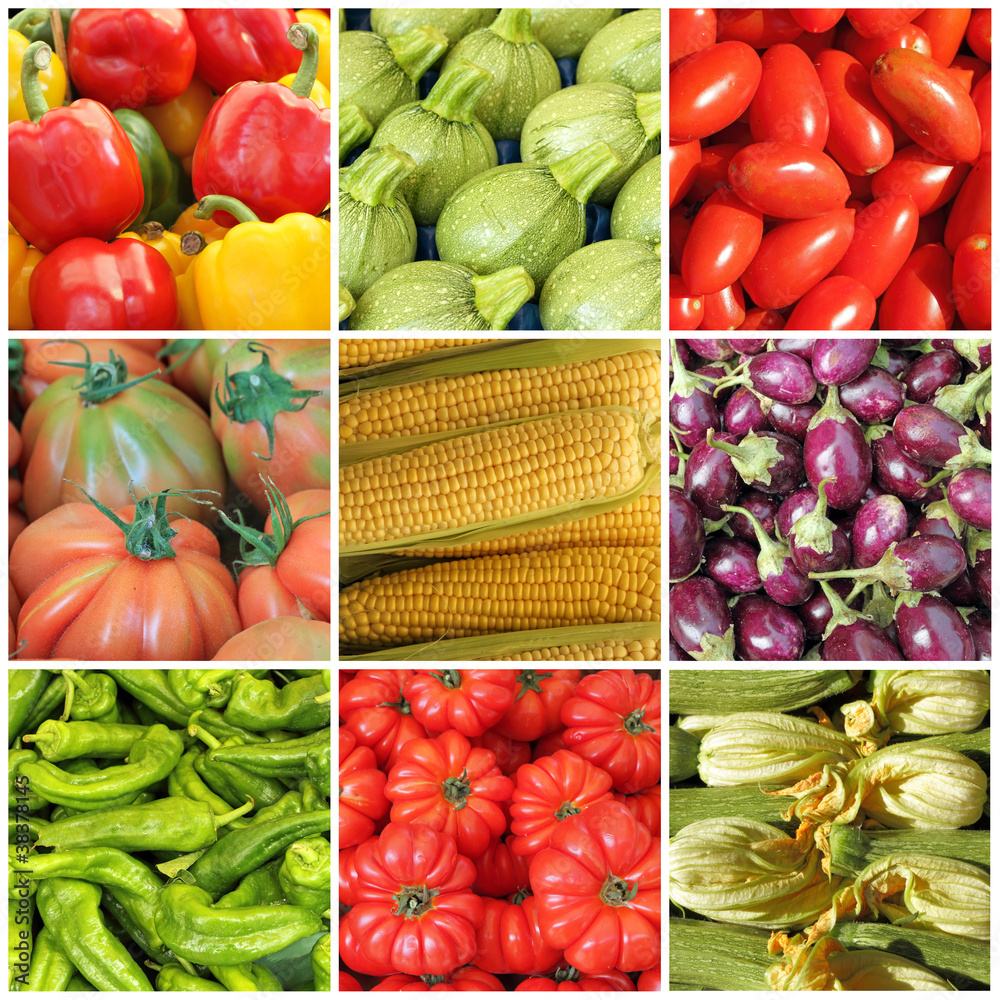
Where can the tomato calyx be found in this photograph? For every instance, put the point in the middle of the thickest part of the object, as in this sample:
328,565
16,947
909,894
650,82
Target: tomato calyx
450,679
456,790
260,394
566,810
617,891
413,901
101,379
634,725
531,680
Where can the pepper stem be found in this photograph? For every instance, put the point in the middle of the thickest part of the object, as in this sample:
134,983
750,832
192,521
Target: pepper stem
37,57
306,39
224,203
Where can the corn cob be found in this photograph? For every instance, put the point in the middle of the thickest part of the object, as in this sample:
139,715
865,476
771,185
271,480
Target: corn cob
486,397
636,649
361,353
512,471
507,593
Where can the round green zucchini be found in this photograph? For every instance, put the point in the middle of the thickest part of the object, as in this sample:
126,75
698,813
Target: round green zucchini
565,31
611,285
626,52
638,207
453,22
354,129
346,304
433,295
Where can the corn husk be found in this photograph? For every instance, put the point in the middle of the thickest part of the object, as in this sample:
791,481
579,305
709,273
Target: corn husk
927,893
767,748
741,871
930,702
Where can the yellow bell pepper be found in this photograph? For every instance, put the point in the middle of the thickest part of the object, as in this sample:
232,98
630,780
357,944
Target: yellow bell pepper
264,275
321,22
178,122
53,79
21,261
319,94
208,228
166,243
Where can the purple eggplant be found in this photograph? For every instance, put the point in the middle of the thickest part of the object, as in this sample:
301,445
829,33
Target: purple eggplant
747,345
815,613
687,536
692,406
978,351
762,506
767,631
817,544
770,461
939,518
710,348
785,378
878,524
795,505
732,564
676,653
710,478
930,372
700,621
969,494
931,436
839,360
924,562
981,629
930,628
793,418
895,471
859,641
979,549
835,447
746,411
782,579
800,346
874,397
962,591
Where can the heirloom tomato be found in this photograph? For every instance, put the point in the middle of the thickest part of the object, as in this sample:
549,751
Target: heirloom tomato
348,982
598,891
417,913
103,430
470,701
499,871
570,980
271,412
127,585
348,877
645,807
449,785
468,979
362,792
13,444
510,754
374,709
194,374
613,720
286,638
549,792
352,954
539,697
510,939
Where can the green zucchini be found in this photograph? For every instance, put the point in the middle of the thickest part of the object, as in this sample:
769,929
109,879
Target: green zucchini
355,129
637,211
524,73
611,285
565,31
346,304
521,215
453,22
376,228
447,142
432,295
381,74
626,52
573,118
343,20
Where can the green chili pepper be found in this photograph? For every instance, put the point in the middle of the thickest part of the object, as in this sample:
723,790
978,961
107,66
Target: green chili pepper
166,824
152,758
246,978
94,697
200,932
79,985
20,942
152,156
288,805
173,979
57,741
179,195
20,795
213,722
232,782
260,704
26,829
51,968
24,688
305,874
70,909
142,933
318,767
52,697
273,760
312,797
150,688
320,958
185,782
226,862
258,888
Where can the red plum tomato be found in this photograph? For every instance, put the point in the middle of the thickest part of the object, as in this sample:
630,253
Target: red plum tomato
789,105
919,297
972,282
723,240
834,304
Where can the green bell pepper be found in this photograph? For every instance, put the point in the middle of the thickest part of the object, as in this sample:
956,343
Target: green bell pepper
152,157
179,195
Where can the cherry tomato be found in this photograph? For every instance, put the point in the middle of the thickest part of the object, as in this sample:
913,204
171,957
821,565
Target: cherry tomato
919,297
982,97
980,34
723,240
724,310
972,211
762,319
930,181
757,27
972,282
839,303
711,89
945,27
683,160
884,234
686,310
795,256
817,19
860,137
789,105
872,22
927,103
788,180
691,30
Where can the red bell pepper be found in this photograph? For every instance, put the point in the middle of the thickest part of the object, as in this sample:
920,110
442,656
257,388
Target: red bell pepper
268,145
243,44
130,57
89,285
73,171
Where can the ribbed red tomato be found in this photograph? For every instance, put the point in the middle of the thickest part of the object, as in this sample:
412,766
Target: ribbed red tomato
644,806
449,785
511,941
470,701
468,979
499,871
598,891
286,637
374,709
566,979
538,699
613,721
362,800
